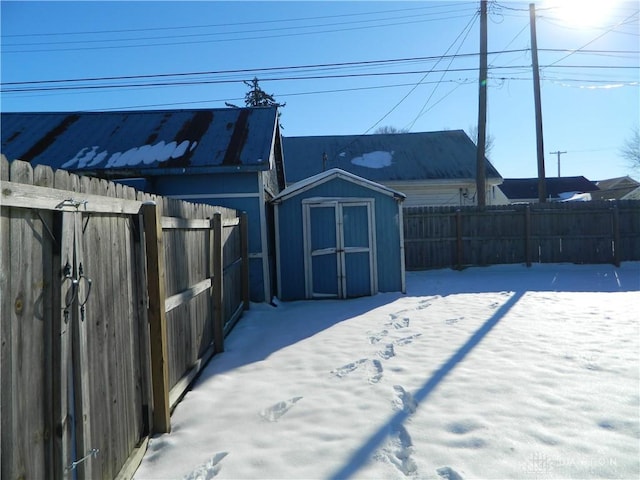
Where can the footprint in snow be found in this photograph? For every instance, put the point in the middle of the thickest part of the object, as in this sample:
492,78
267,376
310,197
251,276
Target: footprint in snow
404,400
453,321
448,473
423,304
374,367
274,412
375,371
348,368
398,324
395,316
208,470
407,340
398,451
388,351
377,336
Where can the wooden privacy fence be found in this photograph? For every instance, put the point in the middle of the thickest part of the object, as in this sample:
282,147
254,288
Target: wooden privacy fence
112,301
580,232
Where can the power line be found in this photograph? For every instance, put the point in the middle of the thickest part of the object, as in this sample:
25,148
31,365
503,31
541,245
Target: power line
255,71
469,24
190,27
266,69
424,106
253,31
301,77
596,38
460,82
260,37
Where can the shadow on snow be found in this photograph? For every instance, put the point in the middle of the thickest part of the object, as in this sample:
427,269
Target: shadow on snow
362,455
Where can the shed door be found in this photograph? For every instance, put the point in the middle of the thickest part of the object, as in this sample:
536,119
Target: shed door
339,248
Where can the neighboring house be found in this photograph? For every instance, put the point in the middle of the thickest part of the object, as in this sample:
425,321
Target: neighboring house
225,157
621,188
338,236
525,190
430,168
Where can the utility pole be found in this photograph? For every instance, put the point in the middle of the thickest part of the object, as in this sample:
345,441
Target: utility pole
542,186
557,153
482,109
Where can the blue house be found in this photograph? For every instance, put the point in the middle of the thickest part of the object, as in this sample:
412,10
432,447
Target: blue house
226,157
337,236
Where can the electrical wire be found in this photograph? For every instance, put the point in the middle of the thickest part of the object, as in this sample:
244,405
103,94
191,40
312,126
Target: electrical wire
314,67
268,69
191,27
471,21
425,73
253,31
595,39
260,37
422,110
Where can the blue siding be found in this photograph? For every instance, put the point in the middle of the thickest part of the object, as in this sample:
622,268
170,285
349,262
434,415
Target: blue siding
240,182
388,261
219,185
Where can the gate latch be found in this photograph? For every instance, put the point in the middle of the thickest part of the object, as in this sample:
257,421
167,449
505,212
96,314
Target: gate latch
93,453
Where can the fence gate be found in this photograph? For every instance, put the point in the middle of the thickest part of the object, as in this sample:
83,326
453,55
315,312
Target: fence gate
83,342
71,400
339,248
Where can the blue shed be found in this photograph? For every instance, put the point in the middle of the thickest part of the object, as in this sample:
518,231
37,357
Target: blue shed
338,236
230,157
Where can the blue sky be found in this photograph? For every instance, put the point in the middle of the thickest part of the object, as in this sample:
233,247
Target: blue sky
411,65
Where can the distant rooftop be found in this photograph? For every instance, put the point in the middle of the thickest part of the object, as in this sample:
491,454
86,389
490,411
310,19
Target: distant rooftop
442,155
527,188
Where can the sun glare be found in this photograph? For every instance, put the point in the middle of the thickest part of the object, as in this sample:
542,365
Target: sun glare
580,13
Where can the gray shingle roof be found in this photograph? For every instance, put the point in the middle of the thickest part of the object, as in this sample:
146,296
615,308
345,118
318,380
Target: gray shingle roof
144,141
446,155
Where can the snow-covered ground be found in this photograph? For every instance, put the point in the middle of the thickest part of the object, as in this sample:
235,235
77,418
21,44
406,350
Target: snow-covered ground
503,372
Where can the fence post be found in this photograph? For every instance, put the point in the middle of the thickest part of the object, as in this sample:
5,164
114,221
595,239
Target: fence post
459,245
244,252
218,283
157,318
527,235
616,235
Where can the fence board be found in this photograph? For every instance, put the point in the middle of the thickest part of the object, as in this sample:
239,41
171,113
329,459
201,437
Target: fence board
27,381
6,335
97,242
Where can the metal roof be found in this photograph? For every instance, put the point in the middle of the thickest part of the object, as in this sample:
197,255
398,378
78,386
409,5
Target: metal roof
322,177
526,188
447,155
148,142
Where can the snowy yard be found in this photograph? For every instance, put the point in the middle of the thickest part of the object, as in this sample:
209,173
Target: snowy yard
503,372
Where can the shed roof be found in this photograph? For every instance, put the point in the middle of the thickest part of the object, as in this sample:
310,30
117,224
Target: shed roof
147,142
445,155
527,188
323,177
